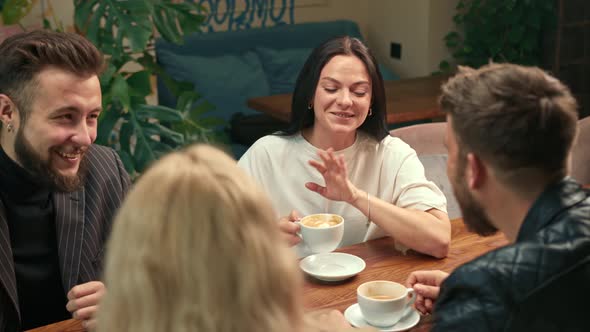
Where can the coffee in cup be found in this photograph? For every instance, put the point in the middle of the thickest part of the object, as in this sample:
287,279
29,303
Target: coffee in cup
383,303
322,232
324,220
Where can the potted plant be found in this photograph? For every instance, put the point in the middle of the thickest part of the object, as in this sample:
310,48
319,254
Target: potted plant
124,31
499,31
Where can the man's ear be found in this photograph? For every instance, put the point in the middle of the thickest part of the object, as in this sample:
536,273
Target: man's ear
476,172
7,109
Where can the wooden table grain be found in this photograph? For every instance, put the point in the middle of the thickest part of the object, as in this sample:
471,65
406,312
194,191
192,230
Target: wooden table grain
407,100
70,325
383,261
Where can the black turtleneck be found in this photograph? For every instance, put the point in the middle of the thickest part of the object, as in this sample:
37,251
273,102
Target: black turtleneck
31,224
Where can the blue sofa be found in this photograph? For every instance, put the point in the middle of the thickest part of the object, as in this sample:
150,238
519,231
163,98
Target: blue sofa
227,68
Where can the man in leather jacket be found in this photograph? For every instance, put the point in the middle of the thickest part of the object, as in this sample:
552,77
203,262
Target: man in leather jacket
509,136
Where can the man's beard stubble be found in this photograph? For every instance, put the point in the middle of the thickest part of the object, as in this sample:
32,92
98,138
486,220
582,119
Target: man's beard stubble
474,215
40,169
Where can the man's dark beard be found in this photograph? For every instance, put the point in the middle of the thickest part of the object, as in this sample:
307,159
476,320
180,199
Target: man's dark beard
42,170
474,215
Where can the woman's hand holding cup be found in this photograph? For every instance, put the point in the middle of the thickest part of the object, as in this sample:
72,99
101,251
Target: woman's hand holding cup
290,229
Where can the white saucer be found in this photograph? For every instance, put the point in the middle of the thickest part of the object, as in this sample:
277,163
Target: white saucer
354,316
332,266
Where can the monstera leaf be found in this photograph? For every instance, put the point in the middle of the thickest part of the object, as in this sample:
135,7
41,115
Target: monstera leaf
123,31
14,10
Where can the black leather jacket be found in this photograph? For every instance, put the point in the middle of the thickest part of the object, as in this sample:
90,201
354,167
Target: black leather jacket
539,283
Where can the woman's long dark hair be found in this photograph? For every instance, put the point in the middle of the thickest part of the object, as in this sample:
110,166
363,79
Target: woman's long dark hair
301,117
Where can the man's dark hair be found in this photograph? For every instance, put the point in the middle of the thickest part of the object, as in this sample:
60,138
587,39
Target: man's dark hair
519,119
24,55
307,81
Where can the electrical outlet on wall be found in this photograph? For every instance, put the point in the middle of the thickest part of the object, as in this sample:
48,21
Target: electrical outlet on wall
395,50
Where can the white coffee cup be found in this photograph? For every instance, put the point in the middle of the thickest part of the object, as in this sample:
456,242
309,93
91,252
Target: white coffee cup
321,233
383,303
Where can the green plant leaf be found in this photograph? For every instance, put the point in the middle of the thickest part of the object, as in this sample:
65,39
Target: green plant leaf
120,91
200,109
175,19
107,75
151,129
166,26
534,19
127,162
83,13
106,124
14,10
444,66
158,112
211,122
160,148
132,18
94,25
139,83
516,34
453,35
125,135
143,154
136,27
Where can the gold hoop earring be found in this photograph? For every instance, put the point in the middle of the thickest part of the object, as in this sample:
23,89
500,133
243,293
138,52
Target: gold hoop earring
9,127
370,111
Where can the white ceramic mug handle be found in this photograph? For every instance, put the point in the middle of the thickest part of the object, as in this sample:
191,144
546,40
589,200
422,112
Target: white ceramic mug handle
299,232
410,302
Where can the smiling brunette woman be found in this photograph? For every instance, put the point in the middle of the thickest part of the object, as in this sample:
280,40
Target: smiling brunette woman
337,145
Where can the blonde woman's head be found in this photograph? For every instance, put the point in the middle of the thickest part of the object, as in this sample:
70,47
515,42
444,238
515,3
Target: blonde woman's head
195,247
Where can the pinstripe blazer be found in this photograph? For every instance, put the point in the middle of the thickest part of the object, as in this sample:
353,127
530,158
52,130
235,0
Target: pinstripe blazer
83,223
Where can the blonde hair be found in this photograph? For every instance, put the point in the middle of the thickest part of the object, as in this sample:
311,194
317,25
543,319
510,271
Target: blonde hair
195,247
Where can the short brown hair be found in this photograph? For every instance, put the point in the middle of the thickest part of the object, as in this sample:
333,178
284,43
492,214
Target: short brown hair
519,119
24,55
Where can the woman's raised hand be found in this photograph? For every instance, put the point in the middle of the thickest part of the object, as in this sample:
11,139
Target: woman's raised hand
333,169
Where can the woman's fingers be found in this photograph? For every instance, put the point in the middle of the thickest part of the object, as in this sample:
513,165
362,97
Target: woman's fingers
319,166
289,229
316,187
427,291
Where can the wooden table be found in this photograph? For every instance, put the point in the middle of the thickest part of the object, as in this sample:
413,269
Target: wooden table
407,100
70,325
383,261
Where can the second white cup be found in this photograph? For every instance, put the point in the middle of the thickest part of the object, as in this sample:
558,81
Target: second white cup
383,303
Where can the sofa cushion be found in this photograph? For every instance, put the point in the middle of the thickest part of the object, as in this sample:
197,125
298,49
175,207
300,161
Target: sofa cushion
387,74
282,66
224,80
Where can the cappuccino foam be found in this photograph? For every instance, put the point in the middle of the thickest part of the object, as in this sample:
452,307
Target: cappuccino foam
321,221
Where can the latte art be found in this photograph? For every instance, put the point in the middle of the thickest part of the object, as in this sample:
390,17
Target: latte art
321,221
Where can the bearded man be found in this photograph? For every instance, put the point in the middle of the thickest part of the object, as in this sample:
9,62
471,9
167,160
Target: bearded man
510,130
58,191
